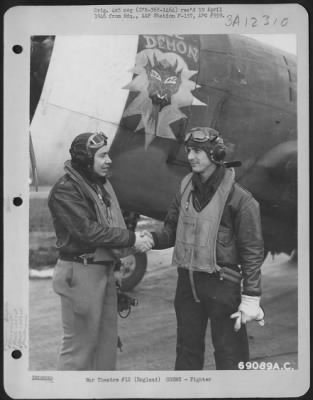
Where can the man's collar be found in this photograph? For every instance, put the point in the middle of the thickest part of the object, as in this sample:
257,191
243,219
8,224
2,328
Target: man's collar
212,180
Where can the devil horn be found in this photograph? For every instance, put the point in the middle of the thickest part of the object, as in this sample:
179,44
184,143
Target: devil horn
155,61
149,62
176,65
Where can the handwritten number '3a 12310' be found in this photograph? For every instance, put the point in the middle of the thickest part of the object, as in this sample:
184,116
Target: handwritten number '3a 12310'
253,22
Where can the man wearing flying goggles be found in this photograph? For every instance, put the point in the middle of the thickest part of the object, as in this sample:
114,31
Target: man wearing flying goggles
91,239
214,226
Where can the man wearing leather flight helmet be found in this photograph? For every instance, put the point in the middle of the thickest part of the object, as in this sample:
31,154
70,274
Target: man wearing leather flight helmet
214,226
91,239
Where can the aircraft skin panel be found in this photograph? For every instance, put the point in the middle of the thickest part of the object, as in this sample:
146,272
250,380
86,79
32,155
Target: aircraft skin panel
245,99
254,128
249,74
151,130
152,180
78,95
160,87
246,47
277,196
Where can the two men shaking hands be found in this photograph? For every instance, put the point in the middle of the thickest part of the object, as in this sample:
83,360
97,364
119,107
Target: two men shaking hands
144,241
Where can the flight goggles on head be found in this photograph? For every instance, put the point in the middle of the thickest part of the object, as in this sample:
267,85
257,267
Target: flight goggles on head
202,135
209,140
217,152
97,140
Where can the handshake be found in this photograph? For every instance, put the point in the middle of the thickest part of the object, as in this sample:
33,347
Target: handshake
144,241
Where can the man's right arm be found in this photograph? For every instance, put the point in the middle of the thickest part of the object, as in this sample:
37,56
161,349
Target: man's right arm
165,237
70,208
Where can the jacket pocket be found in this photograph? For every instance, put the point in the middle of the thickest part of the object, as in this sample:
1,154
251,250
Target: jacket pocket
225,236
228,293
68,283
62,277
181,254
226,249
81,293
186,229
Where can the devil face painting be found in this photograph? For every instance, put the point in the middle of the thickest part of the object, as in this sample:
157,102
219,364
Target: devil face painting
162,81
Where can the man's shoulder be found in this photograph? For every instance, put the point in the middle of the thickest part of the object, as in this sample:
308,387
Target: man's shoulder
241,196
63,180
186,180
187,177
241,191
64,183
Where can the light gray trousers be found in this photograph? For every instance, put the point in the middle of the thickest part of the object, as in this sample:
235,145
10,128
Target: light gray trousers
89,316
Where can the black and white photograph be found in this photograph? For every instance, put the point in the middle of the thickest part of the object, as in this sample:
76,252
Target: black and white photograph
159,196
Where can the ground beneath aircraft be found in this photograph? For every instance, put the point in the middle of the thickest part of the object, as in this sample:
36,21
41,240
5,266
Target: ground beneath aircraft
148,334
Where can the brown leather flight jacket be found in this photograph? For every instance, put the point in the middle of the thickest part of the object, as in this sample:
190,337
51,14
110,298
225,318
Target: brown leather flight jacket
239,242
75,222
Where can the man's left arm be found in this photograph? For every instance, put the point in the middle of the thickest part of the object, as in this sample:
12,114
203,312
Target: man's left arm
248,231
249,238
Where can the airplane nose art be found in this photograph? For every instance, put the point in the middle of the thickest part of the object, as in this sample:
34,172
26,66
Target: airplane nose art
83,92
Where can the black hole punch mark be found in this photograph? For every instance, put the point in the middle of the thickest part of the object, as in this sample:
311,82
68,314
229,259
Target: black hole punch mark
16,354
17,49
17,201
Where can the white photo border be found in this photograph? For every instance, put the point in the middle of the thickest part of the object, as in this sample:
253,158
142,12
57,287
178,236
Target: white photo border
22,22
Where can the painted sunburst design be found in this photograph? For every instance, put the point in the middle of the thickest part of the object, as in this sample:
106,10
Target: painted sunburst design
164,86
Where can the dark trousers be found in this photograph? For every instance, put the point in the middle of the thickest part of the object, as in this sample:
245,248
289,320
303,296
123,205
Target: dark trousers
218,300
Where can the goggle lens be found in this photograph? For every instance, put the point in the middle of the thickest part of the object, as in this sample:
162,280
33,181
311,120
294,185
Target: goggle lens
199,136
97,140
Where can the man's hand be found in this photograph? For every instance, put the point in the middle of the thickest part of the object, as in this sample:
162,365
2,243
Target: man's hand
118,275
248,310
144,241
